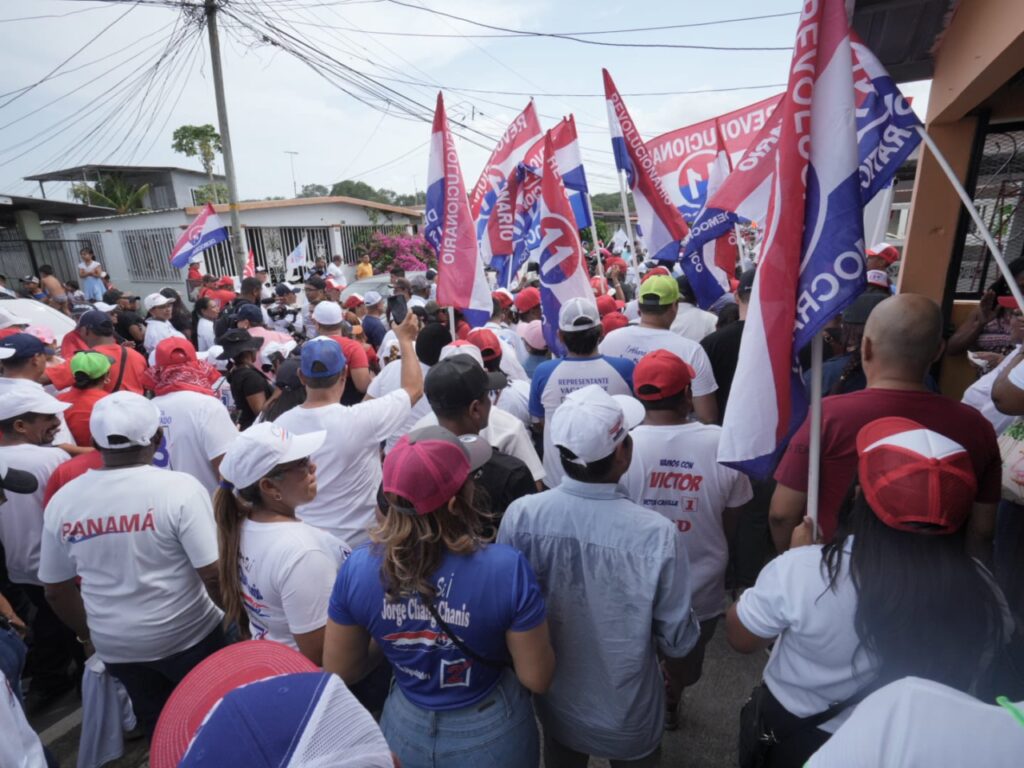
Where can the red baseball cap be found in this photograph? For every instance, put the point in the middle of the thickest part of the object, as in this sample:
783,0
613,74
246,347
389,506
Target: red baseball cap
353,301
208,682
915,480
1007,301
487,342
613,321
527,299
504,298
660,374
226,281
428,466
606,304
885,251
600,285
174,351
655,271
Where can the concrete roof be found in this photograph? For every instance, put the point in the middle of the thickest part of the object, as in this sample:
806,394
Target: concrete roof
82,171
48,210
257,205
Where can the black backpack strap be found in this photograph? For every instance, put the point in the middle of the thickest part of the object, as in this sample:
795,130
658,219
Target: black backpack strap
458,642
120,373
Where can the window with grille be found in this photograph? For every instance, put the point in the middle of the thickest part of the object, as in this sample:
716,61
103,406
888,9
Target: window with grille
998,198
146,252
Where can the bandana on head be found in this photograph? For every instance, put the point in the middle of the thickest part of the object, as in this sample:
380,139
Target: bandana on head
198,376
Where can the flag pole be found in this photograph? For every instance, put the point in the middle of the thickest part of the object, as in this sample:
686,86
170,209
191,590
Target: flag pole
814,449
451,322
629,224
593,236
1011,281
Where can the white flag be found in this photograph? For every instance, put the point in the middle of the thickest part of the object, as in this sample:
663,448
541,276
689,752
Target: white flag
619,239
297,258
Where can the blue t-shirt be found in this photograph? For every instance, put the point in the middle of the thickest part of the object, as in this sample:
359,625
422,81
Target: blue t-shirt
480,596
373,330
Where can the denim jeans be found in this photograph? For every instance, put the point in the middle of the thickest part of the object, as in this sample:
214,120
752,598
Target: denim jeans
560,756
150,683
12,659
498,732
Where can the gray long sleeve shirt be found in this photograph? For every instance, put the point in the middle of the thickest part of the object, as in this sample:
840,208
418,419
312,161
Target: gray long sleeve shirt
617,585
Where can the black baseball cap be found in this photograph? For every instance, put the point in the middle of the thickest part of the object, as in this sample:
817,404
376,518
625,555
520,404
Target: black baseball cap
250,312
457,381
317,282
23,346
857,313
17,480
745,284
98,321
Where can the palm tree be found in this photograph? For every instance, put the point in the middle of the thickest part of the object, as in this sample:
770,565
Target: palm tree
112,192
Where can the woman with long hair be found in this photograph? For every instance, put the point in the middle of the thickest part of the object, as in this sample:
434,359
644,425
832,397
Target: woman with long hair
276,572
893,595
462,622
204,312
250,388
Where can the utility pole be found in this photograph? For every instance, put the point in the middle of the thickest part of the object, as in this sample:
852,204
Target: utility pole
291,156
225,136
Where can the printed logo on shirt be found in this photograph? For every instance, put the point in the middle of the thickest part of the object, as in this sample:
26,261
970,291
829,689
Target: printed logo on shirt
420,640
455,674
90,528
568,386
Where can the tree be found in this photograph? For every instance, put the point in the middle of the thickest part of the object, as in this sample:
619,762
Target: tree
112,191
314,190
210,194
200,141
420,198
357,189
610,201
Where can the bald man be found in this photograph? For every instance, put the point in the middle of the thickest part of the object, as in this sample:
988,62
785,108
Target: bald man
902,338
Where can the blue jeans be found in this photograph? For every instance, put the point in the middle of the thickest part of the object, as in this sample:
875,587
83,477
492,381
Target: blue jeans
498,732
12,659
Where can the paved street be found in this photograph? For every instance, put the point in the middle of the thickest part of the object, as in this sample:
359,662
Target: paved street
706,737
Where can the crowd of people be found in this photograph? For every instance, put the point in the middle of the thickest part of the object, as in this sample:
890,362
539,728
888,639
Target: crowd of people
498,550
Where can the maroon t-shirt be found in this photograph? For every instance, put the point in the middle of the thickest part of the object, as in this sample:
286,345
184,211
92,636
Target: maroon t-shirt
842,417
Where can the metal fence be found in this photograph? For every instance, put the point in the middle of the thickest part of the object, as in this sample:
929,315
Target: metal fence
145,254
20,258
999,197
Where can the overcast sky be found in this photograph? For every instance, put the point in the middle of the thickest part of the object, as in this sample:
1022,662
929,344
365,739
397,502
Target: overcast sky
92,111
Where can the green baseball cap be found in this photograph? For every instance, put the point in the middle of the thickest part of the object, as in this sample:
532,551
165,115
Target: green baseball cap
659,291
94,365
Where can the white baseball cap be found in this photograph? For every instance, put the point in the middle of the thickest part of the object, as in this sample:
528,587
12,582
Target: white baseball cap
328,313
579,314
21,397
102,306
254,453
372,298
155,300
591,423
465,348
127,416
9,319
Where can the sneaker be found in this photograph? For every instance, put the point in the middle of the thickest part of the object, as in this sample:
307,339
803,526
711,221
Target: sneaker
671,717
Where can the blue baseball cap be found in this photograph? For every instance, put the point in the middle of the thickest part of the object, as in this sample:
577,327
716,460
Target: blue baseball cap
20,346
322,357
250,312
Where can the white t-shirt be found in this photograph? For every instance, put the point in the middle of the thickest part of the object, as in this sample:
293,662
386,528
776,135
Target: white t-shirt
554,380
20,746
157,331
979,395
812,663
287,571
197,429
513,341
915,723
514,399
390,380
693,322
506,433
205,334
95,269
337,273
416,301
21,518
635,341
135,536
675,472
348,463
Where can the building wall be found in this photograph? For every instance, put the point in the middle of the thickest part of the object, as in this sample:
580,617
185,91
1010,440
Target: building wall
981,51
331,215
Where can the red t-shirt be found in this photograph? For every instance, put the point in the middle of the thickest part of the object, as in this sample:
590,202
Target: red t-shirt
69,470
135,365
842,417
355,355
77,416
71,343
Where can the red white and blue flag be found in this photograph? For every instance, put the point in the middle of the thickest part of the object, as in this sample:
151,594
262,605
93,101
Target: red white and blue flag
812,262
461,282
204,232
510,230
523,132
563,269
660,223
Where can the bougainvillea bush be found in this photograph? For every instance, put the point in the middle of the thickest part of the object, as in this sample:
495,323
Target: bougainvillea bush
410,252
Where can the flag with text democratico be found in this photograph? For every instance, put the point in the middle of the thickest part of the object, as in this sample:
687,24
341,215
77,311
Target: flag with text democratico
563,269
658,218
812,260
509,152
204,232
461,282
501,247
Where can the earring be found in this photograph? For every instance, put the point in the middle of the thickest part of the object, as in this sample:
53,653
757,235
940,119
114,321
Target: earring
277,497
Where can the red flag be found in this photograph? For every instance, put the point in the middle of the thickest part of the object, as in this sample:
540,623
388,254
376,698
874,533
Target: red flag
250,265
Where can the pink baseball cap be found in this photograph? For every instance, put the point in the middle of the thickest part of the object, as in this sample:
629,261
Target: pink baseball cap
533,334
428,466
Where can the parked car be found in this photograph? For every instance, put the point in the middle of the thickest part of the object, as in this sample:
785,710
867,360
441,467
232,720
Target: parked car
38,313
380,283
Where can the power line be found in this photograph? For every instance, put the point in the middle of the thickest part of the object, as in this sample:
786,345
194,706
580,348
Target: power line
576,39
53,15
